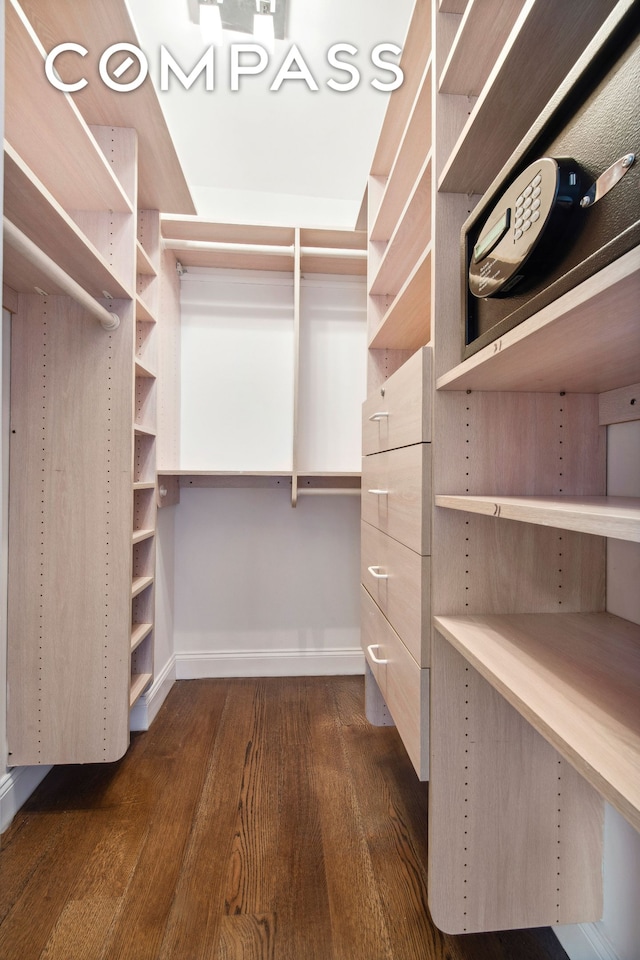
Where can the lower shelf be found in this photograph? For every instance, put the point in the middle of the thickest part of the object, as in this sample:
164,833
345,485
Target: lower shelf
139,632
575,678
138,683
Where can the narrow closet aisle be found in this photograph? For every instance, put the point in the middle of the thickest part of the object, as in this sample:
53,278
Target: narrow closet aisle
257,819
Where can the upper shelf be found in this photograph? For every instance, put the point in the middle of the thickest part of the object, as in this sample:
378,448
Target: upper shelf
617,517
569,344
161,181
406,324
469,63
412,150
31,208
575,678
525,75
413,62
71,165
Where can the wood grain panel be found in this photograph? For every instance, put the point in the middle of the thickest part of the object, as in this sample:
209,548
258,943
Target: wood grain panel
405,596
70,546
402,407
491,866
401,507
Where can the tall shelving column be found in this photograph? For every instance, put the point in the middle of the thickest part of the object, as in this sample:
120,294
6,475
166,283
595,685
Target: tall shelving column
144,443
515,804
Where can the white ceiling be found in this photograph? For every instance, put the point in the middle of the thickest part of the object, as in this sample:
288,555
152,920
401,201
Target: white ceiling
293,156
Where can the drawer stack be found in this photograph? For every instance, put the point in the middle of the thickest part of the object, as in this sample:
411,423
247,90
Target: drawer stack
395,548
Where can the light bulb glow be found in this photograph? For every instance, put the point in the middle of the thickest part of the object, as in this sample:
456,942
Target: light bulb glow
211,24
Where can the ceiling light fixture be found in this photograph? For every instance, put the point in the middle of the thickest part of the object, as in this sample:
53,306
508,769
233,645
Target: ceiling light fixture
211,21
263,23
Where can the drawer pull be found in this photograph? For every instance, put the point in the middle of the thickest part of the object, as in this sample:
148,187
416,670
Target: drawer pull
379,576
370,649
378,416
379,493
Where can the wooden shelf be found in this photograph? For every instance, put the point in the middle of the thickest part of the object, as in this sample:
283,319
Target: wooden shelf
144,485
568,345
140,431
575,678
139,632
406,325
161,182
470,63
139,584
138,683
143,262
617,517
140,535
143,312
409,240
452,6
346,240
524,76
35,211
143,371
413,148
72,167
413,62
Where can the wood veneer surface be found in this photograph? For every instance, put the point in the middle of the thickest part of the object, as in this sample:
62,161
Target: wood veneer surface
259,819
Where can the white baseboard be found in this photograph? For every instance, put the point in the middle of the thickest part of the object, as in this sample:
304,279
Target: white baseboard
145,709
16,786
584,941
268,663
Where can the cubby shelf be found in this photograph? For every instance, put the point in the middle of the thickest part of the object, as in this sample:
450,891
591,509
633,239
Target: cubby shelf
568,345
138,683
617,517
139,632
575,678
143,262
406,324
470,63
139,584
414,146
140,535
144,485
30,206
143,371
72,167
141,431
493,131
143,312
409,239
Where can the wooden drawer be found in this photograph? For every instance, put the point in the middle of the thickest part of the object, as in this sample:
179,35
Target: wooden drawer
396,494
398,580
399,413
403,685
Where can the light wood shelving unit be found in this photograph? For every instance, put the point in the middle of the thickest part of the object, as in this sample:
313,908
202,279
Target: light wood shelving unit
533,718
194,242
83,397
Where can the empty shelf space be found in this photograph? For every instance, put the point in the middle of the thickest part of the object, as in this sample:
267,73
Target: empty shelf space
575,678
143,262
408,161
140,535
139,584
409,239
492,132
568,345
484,30
617,517
143,312
138,683
406,323
139,632
72,165
30,206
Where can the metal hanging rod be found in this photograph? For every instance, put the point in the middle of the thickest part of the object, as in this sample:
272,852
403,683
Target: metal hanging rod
19,242
213,246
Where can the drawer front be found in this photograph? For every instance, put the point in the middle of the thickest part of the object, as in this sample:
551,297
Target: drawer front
396,494
403,685
399,413
398,580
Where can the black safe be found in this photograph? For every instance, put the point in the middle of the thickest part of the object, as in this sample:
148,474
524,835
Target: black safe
539,230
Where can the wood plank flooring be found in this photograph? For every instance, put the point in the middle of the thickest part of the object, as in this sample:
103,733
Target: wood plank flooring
255,820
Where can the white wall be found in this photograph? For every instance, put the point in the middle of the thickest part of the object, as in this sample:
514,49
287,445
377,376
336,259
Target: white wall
617,936
265,590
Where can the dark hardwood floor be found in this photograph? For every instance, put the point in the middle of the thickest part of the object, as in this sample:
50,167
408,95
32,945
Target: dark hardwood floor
255,820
